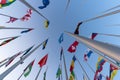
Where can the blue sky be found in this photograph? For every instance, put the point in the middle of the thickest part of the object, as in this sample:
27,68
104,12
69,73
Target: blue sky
60,21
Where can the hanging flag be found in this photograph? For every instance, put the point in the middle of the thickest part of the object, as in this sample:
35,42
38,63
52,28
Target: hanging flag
86,56
26,51
25,31
93,35
27,16
99,66
59,72
99,77
113,72
43,61
10,60
4,3
12,19
45,4
28,69
44,78
29,6
61,53
73,46
7,41
44,44
60,40
77,28
46,23
72,76
72,63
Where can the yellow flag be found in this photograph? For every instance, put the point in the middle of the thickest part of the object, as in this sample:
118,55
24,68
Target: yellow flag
113,74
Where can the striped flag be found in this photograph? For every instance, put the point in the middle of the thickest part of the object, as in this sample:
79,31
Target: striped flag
7,41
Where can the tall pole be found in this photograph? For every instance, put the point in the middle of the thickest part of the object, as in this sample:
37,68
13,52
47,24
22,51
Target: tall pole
4,74
109,50
38,74
65,66
82,68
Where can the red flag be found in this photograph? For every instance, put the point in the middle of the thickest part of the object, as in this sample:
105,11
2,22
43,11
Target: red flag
93,35
27,16
43,61
72,48
12,19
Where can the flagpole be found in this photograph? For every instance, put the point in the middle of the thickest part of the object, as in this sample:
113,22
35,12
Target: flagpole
6,15
109,34
68,2
65,67
82,68
109,50
20,76
28,5
5,73
38,74
104,15
2,27
61,70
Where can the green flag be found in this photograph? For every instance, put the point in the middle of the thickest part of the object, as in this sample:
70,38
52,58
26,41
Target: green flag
59,72
28,69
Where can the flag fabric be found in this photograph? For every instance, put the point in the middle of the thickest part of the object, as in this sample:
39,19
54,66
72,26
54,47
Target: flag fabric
93,35
10,60
44,44
113,72
12,19
45,4
46,23
99,67
28,69
26,51
59,72
72,66
61,53
43,61
7,41
99,77
77,28
4,3
25,31
27,16
60,40
73,46
72,63
72,76
86,56
44,78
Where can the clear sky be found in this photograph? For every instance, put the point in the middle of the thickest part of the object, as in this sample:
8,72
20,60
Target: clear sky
60,21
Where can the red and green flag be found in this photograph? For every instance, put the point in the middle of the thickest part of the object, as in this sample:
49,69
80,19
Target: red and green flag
28,69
